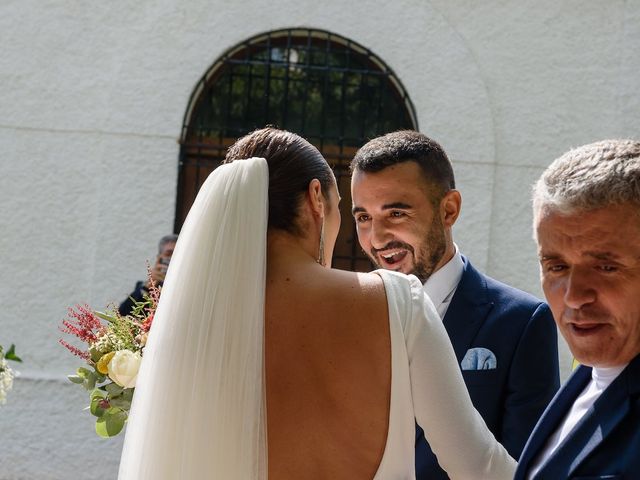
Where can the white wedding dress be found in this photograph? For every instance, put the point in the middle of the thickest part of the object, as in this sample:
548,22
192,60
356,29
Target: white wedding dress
427,387
199,406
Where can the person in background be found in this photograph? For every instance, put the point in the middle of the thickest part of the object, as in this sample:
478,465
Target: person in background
159,270
586,209
405,205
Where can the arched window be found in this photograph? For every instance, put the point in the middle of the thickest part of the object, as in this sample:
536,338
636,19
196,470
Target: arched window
324,87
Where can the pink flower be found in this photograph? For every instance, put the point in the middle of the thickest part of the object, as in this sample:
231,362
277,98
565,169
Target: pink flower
84,324
146,325
75,350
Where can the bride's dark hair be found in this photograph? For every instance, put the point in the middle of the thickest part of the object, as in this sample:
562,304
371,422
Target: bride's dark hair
293,162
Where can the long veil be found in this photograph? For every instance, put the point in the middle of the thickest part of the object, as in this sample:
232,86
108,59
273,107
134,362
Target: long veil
199,409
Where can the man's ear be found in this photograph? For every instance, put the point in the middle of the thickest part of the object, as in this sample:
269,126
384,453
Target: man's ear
450,207
316,199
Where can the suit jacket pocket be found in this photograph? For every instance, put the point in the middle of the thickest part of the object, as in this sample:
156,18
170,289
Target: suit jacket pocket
481,377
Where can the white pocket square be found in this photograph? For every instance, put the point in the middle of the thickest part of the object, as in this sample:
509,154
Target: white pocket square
479,359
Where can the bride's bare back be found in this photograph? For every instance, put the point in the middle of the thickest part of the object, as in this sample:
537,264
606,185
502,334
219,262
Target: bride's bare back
328,371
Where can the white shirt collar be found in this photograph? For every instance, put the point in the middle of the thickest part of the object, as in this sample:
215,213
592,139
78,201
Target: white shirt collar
604,376
441,285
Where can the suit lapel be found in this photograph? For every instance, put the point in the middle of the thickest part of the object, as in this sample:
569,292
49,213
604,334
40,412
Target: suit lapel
600,420
598,423
469,307
552,416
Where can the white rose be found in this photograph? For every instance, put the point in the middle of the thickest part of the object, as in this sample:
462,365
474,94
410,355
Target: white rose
123,368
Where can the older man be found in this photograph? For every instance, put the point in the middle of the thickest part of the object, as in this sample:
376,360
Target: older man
405,205
587,225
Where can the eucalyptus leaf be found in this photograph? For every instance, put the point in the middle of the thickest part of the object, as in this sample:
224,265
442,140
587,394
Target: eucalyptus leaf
127,394
120,402
90,381
111,423
97,393
95,408
99,377
94,354
113,389
76,379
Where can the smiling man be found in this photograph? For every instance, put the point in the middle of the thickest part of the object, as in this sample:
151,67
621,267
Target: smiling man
587,226
405,205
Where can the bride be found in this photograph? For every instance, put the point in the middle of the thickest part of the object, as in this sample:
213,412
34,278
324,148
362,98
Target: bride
265,362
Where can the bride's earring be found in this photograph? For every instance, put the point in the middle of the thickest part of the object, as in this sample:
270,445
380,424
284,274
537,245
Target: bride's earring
320,259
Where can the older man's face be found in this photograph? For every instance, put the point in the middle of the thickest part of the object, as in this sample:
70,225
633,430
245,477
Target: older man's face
590,269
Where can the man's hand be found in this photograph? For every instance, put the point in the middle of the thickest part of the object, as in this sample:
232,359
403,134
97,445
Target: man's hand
159,270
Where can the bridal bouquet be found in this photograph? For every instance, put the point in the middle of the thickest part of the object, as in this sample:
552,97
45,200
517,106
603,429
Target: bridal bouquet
6,373
113,350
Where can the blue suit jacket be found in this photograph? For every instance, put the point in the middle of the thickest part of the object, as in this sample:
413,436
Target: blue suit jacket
519,329
604,444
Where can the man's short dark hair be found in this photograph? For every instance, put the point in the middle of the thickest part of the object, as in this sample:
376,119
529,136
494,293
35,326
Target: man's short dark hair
406,146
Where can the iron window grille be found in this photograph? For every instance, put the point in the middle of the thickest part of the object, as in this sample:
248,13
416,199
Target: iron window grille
332,91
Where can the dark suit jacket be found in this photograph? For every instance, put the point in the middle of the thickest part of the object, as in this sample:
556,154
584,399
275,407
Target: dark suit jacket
519,329
604,444
137,295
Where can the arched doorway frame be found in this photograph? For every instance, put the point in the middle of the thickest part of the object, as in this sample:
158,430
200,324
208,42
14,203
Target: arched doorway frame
344,95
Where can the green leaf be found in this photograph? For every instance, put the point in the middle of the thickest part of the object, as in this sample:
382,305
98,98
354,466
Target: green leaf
95,408
97,393
90,383
121,398
76,379
105,316
127,394
89,378
111,423
113,389
94,354
11,354
121,402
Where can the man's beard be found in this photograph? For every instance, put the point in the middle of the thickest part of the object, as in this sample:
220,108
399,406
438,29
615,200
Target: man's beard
430,251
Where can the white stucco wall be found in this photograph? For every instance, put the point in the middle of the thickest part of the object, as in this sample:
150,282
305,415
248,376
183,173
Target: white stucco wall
91,105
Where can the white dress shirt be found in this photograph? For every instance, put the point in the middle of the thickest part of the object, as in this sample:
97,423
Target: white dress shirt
601,378
442,284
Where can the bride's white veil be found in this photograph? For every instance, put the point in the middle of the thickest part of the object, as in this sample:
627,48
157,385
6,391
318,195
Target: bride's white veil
199,408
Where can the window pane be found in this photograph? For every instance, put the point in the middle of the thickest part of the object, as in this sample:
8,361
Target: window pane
324,87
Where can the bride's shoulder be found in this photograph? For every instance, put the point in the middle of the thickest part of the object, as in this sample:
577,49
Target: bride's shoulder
370,280
367,282
398,280
366,286
378,282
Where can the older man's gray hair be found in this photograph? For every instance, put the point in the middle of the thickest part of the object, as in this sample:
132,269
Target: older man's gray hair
165,240
590,177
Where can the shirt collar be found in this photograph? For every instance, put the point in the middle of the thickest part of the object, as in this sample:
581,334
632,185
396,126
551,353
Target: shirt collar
604,376
442,283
